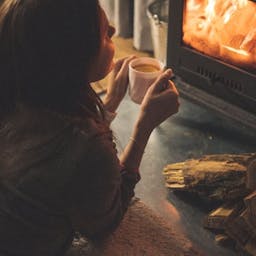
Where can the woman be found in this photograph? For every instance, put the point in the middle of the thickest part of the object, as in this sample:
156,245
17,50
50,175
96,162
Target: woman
60,173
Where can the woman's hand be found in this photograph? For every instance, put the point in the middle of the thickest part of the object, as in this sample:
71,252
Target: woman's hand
118,83
160,102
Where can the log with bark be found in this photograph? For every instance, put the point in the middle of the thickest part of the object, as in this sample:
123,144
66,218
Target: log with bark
212,177
226,178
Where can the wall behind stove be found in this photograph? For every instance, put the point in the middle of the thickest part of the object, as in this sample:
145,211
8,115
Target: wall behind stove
130,19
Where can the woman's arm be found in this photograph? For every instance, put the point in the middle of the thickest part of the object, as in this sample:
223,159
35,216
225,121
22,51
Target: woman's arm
102,188
160,102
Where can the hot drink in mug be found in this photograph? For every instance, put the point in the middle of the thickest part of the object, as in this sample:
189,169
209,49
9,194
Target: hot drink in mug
142,73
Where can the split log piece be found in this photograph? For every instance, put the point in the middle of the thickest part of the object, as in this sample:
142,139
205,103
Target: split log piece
213,177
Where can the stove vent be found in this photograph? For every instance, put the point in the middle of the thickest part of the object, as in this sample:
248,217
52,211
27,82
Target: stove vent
214,78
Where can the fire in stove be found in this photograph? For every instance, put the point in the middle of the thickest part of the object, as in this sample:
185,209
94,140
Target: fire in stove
222,29
211,47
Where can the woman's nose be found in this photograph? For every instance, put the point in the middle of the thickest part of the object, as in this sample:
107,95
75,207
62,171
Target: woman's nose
111,31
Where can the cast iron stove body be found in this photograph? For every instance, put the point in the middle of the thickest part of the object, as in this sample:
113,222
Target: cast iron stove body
215,81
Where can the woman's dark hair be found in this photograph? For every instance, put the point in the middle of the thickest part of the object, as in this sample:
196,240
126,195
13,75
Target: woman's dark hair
46,47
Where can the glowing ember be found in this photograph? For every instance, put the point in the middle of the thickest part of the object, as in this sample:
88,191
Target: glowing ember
238,51
225,29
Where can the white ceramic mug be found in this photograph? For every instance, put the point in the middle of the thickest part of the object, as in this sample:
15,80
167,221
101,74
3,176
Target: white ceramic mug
143,71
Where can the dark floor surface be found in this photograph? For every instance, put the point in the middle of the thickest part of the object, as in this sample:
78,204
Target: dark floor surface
191,133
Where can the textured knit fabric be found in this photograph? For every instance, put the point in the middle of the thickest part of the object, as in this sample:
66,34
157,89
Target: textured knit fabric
58,176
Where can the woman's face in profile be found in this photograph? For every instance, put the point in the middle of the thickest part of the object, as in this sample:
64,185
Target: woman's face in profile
103,63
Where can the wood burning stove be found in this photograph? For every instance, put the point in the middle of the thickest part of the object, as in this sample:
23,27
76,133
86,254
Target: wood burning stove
212,49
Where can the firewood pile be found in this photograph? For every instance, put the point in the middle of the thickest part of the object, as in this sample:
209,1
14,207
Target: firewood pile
229,181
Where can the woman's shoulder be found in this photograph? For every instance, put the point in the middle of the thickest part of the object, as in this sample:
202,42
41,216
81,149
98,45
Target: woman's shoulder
45,121
34,131
84,134
54,144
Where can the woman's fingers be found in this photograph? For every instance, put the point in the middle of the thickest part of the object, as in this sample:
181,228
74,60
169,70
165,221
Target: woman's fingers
162,83
117,83
121,65
125,66
173,87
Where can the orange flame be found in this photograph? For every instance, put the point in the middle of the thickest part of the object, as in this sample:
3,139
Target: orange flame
225,29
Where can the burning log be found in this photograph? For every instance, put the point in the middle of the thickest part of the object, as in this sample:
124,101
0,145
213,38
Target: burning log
222,29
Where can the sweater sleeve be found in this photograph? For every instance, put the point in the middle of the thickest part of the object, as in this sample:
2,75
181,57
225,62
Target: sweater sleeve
101,190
